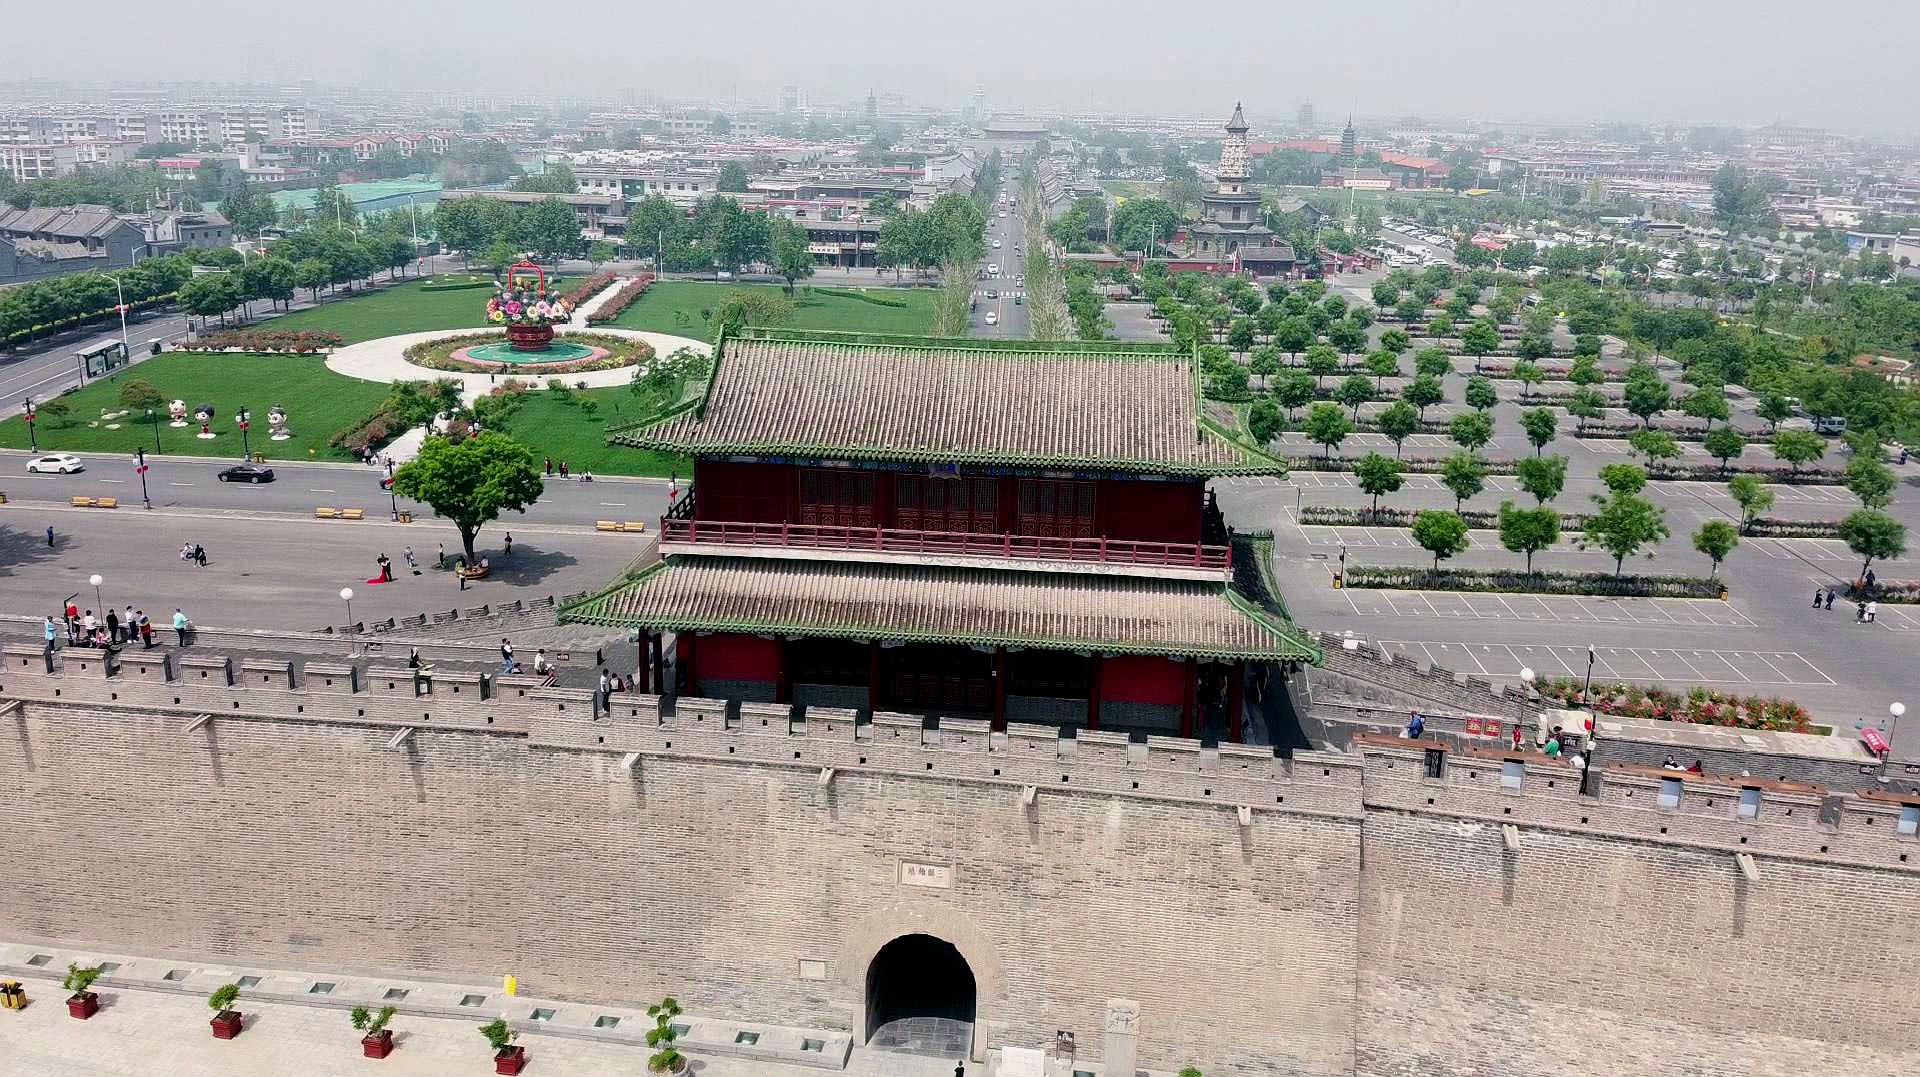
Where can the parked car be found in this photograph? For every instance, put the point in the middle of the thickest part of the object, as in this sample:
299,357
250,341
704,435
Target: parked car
59,463
255,473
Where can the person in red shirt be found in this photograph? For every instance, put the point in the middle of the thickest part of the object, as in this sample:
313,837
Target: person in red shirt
73,621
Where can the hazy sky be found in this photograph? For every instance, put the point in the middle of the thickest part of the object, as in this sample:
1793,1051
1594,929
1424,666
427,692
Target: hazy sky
1845,64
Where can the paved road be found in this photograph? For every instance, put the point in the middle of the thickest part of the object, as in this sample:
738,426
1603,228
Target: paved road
1014,321
186,487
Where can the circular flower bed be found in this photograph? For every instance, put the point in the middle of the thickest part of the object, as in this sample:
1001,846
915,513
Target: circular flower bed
609,352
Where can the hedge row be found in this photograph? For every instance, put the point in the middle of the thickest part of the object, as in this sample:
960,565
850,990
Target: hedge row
864,297
621,300
1342,516
1765,527
1411,465
587,289
33,331
1806,476
1412,578
456,286
298,341
1898,592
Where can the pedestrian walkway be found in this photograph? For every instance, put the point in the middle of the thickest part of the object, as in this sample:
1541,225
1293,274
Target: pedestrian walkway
594,302
384,360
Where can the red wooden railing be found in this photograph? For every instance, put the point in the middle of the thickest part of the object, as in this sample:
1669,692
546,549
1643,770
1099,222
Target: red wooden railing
895,540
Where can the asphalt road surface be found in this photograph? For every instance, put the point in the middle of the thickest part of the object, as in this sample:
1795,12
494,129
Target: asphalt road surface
1014,322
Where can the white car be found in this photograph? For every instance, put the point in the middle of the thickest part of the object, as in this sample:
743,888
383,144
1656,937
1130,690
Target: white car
996,244
993,270
60,463
993,317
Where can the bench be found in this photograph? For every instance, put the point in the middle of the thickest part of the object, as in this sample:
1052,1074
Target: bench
106,502
475,572
598,525
324,513
634,527
353,514
82,502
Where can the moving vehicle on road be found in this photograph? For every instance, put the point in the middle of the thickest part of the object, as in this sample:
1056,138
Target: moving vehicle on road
254,473
59,463
993,317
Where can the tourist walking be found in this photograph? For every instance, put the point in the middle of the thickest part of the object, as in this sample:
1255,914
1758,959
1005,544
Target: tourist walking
1829,598
200,555
441,559
549,467
506,655
1873,610
146,630
1818,594
180,625
509,544
1859,613
411,566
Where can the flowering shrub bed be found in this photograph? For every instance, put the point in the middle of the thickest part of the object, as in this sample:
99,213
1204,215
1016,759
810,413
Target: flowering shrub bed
1412,465
1899,592
588,288
1621,428
1341,516
438,355
1702,706
621,300
1780,473
383,426
296,341
1767,528
1502,370
1414,578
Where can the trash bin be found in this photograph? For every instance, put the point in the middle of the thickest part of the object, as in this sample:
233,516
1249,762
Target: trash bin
156,347
406,517
259,458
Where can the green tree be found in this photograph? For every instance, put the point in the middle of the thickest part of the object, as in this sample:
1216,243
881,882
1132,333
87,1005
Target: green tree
1321,361
1624,478
1440,327
1376,475
311,274
733,177
1871,481
1395,341
1292,335
1480,394
1647,395
1480,339
1263,420
1540,424
472,482
1327,425
1585,404
139,394
752,306
549,229
1774,408
1382,365
1724,444
600,252
1463,474
1432,363
1442,534
1624,524
1346,334
1264,360
1397,421
1874,536
555,178
1528,374
1716,539
1654,445
1409,308
1528,531
1798,447
1240,336
248,209
791,258
1423,392
1753,496
1295,390
1471,430
1355,391
1542,476
1707,402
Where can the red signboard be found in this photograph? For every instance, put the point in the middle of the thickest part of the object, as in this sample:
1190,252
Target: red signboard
1473,727
1876,741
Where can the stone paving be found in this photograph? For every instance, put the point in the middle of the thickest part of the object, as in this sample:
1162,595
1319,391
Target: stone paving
384,359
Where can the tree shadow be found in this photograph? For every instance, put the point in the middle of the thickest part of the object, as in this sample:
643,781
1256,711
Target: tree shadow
20,548
527,565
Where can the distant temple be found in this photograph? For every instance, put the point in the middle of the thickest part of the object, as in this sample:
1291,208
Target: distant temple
952,527
1230,233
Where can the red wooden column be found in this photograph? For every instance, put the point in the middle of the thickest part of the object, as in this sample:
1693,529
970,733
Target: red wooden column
1095,666
999,688
643,667
873,675
686,646
1189,697
782,690
1236,690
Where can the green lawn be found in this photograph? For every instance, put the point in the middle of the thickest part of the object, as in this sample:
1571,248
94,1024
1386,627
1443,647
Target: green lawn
566,431
675,306
319,404
402,309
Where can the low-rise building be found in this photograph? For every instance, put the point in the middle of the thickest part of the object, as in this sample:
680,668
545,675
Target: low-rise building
166,233
56,240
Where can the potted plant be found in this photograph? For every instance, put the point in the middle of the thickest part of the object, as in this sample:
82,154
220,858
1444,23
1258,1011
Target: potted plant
377,1038
81,1001
665,1058
227,1021
507,1057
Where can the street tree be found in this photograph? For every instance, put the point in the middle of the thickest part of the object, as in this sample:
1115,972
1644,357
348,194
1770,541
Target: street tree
1397,421
1647,395
1383,364
1264,360
1624,478
1724,444
791,258
1376,475
1480,394
1624,525
1775,409
472,482
1528,531
1798,447
1440,327
1871,481
1716,539
1346,335
1586,371
1442,534
1480,339
1874,536
1240,336
1327,425
1528,374
1423,392
1294,390
1292,336
1395,341
1708,402
1540,424
1263,420
549,229
1354,391
1321,361
1432,362
1655,445
1464,475
1471,430
1408,308
1585,404
1542,476
1753,496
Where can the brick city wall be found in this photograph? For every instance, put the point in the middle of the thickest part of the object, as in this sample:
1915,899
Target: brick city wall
1329,914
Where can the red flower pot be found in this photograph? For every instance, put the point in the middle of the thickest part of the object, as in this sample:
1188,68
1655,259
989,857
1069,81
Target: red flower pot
83,1005
510,1060
378,1045
226,1024
530,338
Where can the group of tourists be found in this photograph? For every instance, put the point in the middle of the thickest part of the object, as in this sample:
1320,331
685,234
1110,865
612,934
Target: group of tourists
564,472
117,629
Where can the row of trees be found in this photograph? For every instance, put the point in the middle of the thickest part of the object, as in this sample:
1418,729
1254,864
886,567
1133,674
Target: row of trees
953,229
27,310
314,258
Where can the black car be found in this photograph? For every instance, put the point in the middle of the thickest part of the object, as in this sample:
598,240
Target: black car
247,473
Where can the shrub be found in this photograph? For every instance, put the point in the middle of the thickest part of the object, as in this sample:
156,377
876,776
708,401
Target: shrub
588,288
1899,592
876,299
1702,706
1806,476
378,429
1416,578
1769,528
1344,516
621,300
80,980
498,1034
456,285
293,341
223,998
371,1023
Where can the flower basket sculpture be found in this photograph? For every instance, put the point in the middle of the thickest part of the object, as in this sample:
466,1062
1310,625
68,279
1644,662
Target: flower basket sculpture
527,309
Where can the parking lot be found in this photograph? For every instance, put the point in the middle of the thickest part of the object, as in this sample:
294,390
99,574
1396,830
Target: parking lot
1343,480
1784,494
1564,609
1633,664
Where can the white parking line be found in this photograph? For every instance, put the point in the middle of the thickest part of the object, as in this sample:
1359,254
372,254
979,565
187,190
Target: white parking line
1627,663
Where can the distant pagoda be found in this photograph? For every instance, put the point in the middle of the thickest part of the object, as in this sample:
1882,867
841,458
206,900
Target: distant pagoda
1230,216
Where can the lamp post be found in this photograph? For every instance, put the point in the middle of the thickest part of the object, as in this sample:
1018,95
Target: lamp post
1586,693
140,468
96,580
346,595
1896,709
126,351
33,442
155,420
246,445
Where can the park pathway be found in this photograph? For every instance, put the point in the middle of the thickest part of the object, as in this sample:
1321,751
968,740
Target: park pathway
578,321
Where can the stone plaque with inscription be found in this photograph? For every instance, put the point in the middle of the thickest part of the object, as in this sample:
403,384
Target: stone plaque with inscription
932,876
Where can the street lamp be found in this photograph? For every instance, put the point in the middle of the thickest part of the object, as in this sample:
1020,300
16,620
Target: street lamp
155,420
1527,676
1896,709
346,595
246,446
96,580
125,349
140,468
33,443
